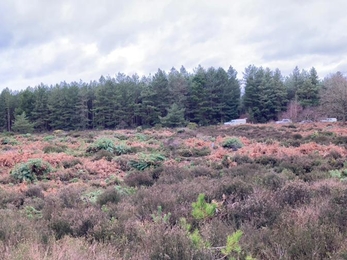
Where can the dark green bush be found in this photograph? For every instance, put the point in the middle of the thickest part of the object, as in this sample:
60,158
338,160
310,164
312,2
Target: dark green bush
232,143
102,144
147,161
33,170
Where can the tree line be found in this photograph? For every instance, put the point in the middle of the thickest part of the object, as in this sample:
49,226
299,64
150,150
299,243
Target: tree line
205,97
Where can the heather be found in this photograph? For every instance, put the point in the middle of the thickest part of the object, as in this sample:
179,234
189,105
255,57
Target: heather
218,192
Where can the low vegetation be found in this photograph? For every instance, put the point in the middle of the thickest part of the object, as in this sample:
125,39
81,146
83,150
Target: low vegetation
242,192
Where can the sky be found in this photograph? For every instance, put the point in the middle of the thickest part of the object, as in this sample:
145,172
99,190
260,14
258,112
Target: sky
50,41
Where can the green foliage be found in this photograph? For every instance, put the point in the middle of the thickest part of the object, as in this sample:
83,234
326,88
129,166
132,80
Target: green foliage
32,213
102,144
147,161
192,126
125,191
233,245
22,125
232,143
33,170
197,240
174,117
203,210
159,217
340,174
233,249
265,94
122,149
92,196
141,137
49,138
9,141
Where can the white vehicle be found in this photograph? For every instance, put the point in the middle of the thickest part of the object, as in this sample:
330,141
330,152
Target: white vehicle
329,120
236,122
284,121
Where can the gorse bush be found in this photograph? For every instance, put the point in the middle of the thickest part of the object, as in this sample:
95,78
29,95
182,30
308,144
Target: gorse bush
232,143
33,170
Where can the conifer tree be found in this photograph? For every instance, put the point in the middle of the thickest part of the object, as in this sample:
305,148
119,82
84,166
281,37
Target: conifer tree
174,117
22,124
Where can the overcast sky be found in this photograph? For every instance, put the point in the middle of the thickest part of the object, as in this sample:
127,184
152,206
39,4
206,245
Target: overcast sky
50,41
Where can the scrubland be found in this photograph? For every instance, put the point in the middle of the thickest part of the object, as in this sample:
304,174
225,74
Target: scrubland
219,192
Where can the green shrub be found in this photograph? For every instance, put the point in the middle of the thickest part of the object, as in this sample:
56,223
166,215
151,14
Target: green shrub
102,144
141,137
192,126
340,174
147,161
122,149
9,141
232,143
48,138
203,210
233,247
33,170
201,152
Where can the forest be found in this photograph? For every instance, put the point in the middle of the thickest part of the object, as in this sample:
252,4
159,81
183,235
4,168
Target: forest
205,97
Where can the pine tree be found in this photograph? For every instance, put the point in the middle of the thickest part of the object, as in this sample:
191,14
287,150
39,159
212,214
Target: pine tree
40,113
22,124
174,117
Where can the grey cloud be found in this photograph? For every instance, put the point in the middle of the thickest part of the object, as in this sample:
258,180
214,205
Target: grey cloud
165,34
